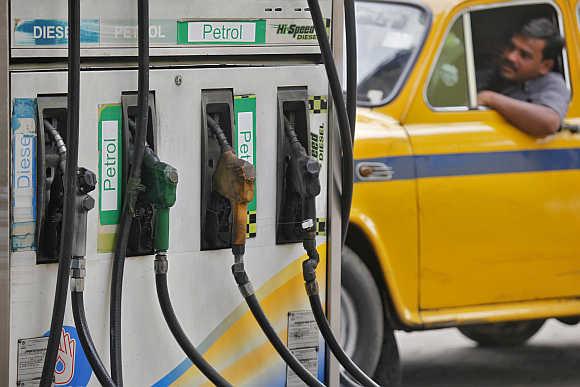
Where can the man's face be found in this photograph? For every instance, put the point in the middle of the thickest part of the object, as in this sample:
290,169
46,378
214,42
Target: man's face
523,60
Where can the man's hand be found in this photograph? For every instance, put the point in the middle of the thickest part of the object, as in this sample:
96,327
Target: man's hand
486,98
533,119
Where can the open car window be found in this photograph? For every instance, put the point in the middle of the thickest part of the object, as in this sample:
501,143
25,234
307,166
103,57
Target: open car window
489,42
469,55
389,37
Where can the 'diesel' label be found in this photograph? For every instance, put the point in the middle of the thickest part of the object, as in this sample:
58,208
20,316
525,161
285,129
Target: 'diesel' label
23,174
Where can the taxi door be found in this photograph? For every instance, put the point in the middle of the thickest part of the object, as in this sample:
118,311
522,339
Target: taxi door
499,210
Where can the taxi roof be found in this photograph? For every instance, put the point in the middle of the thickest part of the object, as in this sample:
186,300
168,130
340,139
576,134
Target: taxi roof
436,6
442,6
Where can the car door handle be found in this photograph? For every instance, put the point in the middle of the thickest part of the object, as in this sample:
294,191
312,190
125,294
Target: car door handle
374,171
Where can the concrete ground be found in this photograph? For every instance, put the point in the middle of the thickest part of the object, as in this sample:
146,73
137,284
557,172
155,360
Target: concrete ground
445,358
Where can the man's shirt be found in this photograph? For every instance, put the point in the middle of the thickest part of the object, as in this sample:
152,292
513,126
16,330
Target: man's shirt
549,90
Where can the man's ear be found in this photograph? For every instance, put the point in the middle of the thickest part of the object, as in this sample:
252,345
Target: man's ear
546,66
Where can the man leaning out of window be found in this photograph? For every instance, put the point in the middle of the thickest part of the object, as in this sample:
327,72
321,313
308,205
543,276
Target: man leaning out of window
524,89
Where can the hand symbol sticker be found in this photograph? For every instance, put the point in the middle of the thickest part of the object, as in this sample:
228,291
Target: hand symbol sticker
65,362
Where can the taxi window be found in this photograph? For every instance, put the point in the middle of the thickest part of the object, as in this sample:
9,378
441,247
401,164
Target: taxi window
448,83
471,52
389,37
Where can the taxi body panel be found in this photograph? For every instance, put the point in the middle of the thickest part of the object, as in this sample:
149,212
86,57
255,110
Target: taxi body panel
479,221
382,210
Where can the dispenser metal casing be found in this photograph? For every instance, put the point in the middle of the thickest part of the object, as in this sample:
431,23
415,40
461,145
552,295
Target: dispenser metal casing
203,291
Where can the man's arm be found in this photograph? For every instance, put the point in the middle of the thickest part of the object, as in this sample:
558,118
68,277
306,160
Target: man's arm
533,119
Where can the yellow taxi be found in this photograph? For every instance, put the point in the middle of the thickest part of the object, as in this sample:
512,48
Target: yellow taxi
459,218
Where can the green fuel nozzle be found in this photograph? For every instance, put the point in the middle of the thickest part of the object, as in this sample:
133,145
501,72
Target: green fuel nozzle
160,180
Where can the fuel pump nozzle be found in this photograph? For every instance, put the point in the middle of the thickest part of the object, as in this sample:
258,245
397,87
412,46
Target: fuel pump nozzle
303,175
160,180
86,183
234,179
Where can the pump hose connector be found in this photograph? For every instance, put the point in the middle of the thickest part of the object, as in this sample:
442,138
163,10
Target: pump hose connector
161,264
78,273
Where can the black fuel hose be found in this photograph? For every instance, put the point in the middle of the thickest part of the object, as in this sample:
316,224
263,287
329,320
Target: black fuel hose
284,352
78,307
309,273
341,356
338,352
133,187
70,192
246,289
310,265
351,63
180,336
343,120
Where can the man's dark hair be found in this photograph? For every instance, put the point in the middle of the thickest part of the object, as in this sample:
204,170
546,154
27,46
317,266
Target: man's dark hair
544,29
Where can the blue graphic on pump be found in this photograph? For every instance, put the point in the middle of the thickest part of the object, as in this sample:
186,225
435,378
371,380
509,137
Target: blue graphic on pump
72,366
46,32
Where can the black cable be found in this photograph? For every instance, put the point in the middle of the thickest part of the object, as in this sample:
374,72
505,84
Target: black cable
70,192
351,63
343,121
340,355
80,320
245,286
181,337
133,186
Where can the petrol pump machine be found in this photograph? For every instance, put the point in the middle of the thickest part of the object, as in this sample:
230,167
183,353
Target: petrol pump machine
243,77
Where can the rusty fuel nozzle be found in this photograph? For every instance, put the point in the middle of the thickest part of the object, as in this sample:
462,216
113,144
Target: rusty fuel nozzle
234,179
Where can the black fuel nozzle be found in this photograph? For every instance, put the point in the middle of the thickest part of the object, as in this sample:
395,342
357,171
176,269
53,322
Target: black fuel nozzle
86,183
304,177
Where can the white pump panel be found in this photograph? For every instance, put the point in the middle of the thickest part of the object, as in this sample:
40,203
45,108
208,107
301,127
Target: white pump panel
251,48
195,27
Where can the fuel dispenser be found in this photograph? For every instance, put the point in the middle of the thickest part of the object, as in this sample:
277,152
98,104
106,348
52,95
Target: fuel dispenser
233,93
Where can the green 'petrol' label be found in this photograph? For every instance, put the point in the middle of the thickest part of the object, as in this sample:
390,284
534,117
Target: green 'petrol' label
221,32
245,145
110,172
